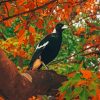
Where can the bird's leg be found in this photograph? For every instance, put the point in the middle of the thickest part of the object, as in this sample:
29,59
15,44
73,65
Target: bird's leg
45,66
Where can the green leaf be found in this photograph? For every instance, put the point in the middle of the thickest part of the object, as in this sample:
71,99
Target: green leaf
76,92
84,94
92,93
68,95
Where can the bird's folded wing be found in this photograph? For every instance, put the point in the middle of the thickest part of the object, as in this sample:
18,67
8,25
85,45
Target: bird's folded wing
37,53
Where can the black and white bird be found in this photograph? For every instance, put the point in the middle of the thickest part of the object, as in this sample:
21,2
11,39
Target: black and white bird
48,48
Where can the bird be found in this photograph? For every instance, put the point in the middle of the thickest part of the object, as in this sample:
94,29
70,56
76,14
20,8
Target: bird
48,48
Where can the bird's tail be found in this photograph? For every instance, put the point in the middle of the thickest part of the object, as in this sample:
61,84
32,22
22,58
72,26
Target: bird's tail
34,61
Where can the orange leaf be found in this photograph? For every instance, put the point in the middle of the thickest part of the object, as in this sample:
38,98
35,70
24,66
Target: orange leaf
98,75
32,39
0,18
79,31
17,27
15,53
71,74
22,53
61,96
86,74
8,5
97,97
31,29
20,36
21,40
78,10
20,2
8,22
81,82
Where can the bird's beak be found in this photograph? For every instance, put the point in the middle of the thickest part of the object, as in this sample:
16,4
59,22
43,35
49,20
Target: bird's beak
64,27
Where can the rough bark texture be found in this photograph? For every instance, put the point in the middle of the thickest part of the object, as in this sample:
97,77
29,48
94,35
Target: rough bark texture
14,86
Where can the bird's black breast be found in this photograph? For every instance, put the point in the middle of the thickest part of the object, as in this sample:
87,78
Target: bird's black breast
52,49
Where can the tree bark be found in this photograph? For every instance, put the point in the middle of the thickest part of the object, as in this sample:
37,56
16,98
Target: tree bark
14,86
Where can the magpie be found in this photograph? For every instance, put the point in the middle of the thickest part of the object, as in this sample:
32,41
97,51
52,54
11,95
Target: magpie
48,48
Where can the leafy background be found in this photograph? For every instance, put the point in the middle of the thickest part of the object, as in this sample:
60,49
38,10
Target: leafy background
23,23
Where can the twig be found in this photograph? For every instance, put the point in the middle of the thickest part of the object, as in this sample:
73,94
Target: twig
7,10
2,35
3,1
90,53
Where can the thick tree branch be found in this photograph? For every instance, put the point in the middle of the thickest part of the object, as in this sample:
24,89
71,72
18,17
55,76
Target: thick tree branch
37,8
14,86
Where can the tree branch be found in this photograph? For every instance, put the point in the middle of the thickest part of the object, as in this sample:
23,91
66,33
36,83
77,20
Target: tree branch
37,8
15,86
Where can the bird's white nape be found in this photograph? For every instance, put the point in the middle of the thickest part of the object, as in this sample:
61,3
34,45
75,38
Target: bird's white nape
42,46
54,31
64,27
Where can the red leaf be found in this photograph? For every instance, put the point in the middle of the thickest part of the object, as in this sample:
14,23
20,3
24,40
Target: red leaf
30,5
20,33
50,30
25,41
39,24
92,29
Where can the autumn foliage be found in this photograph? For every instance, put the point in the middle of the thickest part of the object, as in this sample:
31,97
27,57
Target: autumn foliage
24,22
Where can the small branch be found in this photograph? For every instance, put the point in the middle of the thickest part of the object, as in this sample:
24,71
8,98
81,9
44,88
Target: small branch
52,1
3,1
7,10
91,53
2,36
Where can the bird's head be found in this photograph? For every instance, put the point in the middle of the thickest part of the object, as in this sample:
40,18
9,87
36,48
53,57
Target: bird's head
59,28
